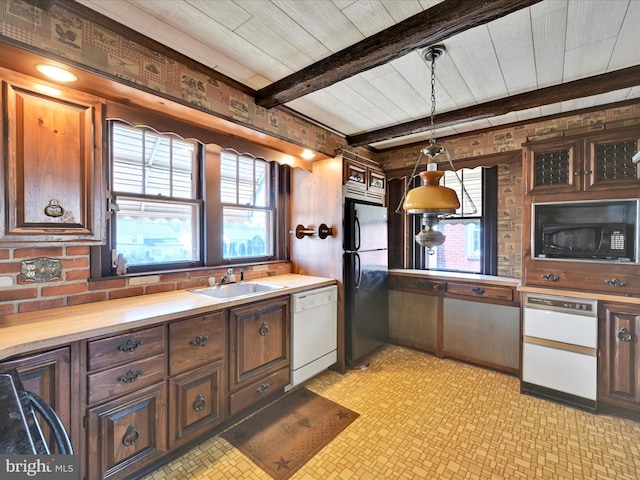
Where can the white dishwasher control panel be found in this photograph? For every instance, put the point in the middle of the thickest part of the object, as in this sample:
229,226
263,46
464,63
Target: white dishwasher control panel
315,298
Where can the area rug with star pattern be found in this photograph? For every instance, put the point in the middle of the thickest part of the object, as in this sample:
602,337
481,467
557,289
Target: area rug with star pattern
282,437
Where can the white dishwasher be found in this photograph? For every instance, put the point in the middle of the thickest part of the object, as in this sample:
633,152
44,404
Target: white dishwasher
560,349
314,333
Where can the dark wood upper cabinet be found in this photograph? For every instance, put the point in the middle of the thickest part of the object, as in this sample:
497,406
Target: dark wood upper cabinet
601,161
609,160
553,166
51,176
592,167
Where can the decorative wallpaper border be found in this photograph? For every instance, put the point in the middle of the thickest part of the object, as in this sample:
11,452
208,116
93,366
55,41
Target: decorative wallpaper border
64,35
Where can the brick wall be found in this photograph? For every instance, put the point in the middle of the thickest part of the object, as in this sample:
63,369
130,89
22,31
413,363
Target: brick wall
75,286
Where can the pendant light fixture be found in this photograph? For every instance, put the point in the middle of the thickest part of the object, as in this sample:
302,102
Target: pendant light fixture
431,200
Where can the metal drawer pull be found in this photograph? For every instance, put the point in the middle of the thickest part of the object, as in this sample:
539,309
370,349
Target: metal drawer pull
264,329
624,335
130,376
478,291
551,277
200,341
130,345
54,209
199,403
616,282
262,389
131,436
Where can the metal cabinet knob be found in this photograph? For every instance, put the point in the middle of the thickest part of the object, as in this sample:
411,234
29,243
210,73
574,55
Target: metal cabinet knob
624,335
199,403
131,436
131,345
616,282
130,376
551,277
263,330
199,341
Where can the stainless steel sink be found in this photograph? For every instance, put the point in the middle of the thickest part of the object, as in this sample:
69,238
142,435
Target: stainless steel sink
235,290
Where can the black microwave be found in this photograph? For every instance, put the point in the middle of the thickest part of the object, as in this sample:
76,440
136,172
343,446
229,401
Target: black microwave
606,241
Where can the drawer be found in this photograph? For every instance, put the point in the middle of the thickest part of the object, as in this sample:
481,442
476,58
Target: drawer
128,347
417,284
480,291
196,341
593,281
569,328
125,378
258,391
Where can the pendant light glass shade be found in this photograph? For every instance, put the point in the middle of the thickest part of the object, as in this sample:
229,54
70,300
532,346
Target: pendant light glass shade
431,198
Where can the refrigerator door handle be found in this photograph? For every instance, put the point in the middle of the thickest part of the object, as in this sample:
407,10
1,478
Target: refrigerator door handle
356,232
358,270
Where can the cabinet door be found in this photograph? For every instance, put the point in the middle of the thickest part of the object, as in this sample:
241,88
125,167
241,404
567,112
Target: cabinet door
48,375
484,333
413,319
619,356
127,434
53,185
609,160
196,403
553,167
355,174
259,335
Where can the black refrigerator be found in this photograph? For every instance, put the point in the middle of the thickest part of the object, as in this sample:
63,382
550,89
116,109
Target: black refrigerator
365,279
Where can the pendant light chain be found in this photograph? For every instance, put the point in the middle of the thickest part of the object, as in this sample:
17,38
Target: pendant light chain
433,98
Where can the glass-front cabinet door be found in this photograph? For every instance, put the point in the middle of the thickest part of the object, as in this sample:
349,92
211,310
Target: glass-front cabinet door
610,160
553,166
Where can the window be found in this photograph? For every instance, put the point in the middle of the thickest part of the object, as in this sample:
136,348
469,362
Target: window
178,203
247,206
154,190
467,232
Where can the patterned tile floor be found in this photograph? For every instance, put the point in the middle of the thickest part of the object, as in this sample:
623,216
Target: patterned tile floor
426,418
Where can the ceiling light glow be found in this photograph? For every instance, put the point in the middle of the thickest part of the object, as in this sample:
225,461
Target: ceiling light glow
56,73
307,154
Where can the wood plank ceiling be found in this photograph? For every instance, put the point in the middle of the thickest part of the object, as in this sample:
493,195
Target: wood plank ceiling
356,66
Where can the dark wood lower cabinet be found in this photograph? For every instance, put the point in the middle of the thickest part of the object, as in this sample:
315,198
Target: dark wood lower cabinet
48,375
259,354
483,333
473,321
128,433
196,403
413,319
619,375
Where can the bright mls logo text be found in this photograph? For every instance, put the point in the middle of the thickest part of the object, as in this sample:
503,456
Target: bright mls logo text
50,467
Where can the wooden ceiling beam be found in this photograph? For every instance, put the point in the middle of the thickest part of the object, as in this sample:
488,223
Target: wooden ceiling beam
585,87
429,27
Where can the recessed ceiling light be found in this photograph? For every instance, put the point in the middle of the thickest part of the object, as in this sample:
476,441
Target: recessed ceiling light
56,73
307,154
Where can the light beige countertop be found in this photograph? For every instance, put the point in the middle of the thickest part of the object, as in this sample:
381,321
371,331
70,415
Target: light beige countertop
453,276
30,331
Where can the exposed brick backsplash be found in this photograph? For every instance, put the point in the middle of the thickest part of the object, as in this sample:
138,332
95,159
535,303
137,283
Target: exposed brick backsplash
75,286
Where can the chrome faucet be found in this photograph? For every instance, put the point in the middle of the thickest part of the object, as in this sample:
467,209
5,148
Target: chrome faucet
226,276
